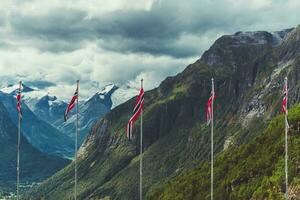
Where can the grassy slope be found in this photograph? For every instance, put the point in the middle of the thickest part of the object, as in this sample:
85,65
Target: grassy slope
251,171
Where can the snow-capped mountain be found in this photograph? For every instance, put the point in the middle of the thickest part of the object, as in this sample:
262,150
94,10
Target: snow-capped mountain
38,133
123,94
50,110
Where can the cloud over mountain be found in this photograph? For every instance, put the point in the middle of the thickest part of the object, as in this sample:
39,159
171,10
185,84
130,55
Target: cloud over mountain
118,41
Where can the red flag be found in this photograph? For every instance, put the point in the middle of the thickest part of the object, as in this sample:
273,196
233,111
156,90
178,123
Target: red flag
209,112
19,98
136,112
71,104
285,99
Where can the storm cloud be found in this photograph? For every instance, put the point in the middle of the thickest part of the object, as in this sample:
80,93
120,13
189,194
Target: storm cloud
160,30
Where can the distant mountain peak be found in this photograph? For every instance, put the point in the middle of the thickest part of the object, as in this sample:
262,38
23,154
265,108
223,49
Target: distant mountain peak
12,89
108,89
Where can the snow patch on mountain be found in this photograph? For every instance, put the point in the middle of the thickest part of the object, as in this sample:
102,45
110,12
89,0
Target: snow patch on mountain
123,94
256,37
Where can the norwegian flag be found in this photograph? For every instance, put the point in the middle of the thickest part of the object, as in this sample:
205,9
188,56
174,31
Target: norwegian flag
19,98
71,104
136,112
209,113
285,98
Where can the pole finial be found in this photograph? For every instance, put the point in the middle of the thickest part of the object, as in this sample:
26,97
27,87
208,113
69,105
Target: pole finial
142,80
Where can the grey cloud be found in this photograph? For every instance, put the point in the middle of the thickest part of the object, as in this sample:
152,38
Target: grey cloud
153,46
65,24
61,30
40,84
155,31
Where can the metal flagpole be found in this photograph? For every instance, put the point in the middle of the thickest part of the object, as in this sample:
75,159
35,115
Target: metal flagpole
76,135
286,141
18,148
212,143
141,152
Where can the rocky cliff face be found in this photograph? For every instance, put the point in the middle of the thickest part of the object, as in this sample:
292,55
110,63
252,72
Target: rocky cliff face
248,69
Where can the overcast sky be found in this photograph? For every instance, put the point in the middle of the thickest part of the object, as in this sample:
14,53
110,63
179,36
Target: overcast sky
53,43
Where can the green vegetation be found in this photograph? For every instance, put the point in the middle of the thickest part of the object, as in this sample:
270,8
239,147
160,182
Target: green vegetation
251,171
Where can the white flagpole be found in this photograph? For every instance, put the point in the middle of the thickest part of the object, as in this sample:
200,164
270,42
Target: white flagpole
141,152
18,148
286,142
76,135
212,143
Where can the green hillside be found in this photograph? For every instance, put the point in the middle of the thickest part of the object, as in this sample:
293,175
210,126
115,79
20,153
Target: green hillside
251,171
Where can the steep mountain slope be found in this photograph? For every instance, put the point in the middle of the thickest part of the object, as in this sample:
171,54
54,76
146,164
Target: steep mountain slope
40,134
50,109
35,166
251,171
248,69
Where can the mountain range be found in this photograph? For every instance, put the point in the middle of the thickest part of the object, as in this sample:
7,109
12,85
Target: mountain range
249,69
44,125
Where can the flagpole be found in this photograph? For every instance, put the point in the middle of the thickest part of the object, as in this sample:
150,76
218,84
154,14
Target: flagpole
18,148
286,142
141,152
212,143
76,135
